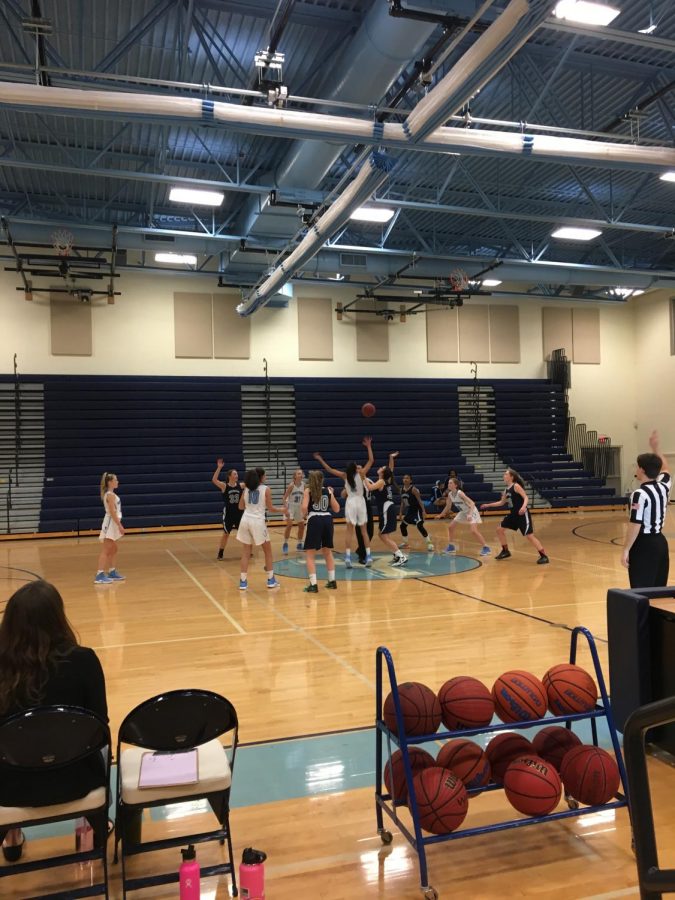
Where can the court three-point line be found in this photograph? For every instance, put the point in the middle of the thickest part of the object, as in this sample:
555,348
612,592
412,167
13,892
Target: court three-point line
207,594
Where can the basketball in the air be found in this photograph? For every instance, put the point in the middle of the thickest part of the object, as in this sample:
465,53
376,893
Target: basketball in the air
368,410
420,709
465,703
519,697
569,689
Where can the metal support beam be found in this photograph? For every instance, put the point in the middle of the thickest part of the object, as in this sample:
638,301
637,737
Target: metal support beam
135,35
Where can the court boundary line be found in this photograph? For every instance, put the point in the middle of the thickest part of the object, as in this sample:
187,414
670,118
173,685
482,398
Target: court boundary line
206,593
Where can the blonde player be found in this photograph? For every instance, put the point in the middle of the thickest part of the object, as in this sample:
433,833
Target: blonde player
518,517
255,500
294,496
318,505
468,514
112,530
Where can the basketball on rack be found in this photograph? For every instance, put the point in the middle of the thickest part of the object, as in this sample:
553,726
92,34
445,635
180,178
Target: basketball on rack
532,786
442,801
465,703
519,696
553,742
590,775
368,410
467,760
394,771
569,689
503,749
420,709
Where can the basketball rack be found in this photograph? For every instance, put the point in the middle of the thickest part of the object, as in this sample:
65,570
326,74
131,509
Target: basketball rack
386,803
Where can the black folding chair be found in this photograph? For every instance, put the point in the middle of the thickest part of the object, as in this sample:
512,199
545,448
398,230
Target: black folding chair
653,881
173,722
47,739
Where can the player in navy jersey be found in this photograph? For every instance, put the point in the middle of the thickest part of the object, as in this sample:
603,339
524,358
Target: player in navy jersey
231,489
383,494
318,506
518,517
412,510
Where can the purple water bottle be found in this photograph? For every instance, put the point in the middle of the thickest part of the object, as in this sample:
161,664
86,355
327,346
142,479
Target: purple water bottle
188,875
252,874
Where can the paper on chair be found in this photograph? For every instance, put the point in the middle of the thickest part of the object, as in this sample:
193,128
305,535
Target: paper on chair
168,769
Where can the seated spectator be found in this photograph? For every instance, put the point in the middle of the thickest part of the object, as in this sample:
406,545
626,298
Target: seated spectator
437,501
42,664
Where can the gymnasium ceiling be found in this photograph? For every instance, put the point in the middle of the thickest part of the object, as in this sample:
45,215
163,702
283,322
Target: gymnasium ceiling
483,210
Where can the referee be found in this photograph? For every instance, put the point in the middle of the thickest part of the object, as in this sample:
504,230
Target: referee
645,549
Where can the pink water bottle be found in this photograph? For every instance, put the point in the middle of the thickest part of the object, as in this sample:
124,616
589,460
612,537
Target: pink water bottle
189,875
252,874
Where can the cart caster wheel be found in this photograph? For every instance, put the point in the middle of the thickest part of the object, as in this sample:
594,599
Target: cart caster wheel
430,893
572,803
386,836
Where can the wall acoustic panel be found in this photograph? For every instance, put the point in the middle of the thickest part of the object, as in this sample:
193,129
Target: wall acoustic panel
556,327
504,334
372,338
586,336
70,321
231,332
193,325
441,334
315,328
474,334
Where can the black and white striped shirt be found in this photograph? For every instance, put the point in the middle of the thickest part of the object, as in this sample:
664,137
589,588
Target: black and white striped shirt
648,504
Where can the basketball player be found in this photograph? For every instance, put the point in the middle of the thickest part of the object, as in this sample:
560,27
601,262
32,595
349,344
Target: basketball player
255,500
356,514
112,531
645,549
318,501
468,513
518,518
383,492
231,490
412,510
294,496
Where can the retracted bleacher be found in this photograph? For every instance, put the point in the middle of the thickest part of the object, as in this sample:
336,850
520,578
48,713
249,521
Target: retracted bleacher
161,437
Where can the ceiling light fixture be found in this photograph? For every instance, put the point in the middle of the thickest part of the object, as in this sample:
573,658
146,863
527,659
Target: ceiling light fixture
576,234
650,29
380,214
195,197
185,259
491,282
585,12
625,292
667,176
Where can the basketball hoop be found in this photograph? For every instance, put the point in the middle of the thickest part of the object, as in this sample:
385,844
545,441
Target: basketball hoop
62,241
459,280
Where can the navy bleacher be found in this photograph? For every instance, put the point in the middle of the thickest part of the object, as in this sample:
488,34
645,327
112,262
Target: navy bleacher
530,419
161,437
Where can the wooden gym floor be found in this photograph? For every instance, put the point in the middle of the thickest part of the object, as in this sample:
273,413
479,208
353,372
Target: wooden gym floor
297,665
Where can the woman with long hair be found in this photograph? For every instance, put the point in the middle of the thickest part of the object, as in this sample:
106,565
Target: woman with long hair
318,506
43,664
112,530
468,514
518,517
356,513
255,501
383,492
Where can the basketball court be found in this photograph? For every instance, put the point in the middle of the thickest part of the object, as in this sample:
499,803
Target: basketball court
300,670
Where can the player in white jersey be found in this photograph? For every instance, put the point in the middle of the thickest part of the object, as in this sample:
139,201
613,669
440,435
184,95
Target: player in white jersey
112,531
255,501
468,514
294,497
356,514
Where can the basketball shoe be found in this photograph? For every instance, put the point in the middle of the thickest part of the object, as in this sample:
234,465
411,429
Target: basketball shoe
505,554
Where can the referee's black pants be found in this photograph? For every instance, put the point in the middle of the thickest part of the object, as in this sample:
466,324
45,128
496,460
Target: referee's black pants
648,561
359,537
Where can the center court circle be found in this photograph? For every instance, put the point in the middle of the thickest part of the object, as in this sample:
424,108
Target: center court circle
419,565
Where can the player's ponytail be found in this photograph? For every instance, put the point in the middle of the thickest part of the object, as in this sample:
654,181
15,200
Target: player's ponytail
252,480
106,478
350,472
315,485
516,477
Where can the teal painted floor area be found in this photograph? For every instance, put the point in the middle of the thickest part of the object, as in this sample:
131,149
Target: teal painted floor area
305,767
419,565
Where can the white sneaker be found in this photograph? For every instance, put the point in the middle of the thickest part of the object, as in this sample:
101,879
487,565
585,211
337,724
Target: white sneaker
400,560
